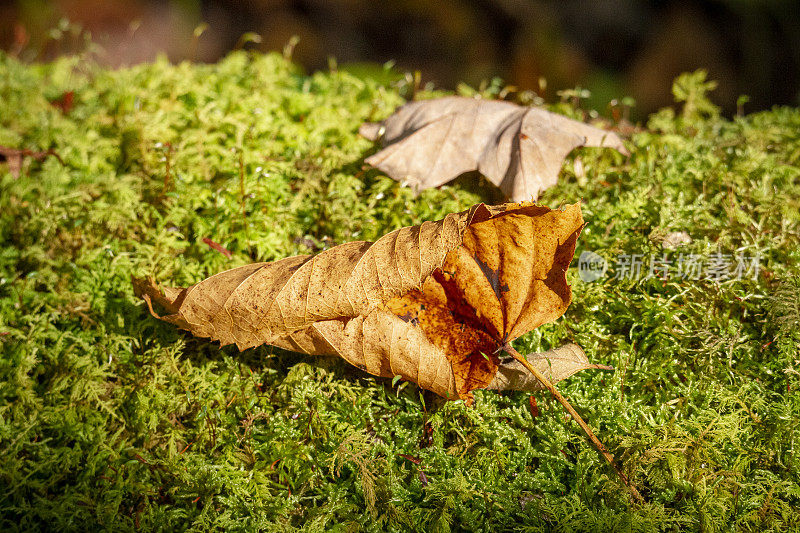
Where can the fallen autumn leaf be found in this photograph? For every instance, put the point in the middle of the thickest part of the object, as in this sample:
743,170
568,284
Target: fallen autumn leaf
432,303
519,149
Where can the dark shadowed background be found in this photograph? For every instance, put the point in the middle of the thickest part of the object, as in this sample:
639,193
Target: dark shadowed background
612,48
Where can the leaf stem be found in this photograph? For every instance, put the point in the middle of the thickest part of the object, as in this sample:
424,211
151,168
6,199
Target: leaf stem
241,188
571,410
167,172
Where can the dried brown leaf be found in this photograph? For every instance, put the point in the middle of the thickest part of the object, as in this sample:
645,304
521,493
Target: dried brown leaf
519,149
14,157
431,303
557,364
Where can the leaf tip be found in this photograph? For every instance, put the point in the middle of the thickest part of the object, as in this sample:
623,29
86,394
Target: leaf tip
371,130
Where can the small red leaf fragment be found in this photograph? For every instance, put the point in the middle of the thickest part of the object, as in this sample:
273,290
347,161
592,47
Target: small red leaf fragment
423,478
218,247
64,102
415,460
533,406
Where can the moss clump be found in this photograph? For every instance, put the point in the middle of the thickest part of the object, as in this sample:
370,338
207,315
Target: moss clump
112,420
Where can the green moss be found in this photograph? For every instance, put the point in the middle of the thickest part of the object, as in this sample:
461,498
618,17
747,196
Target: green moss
112,420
